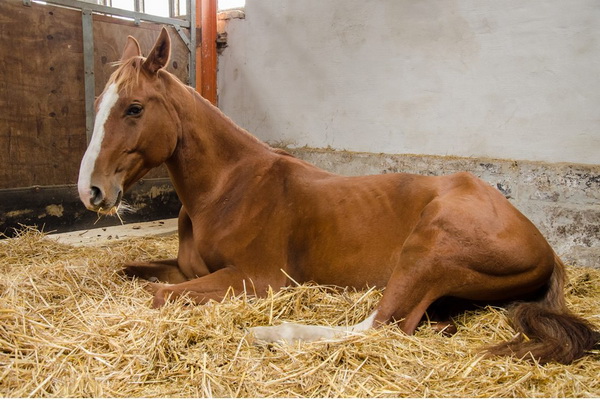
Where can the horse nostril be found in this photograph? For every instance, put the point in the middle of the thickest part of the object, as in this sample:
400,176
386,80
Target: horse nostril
96,195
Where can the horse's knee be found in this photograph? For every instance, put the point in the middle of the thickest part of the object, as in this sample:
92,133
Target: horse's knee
134,270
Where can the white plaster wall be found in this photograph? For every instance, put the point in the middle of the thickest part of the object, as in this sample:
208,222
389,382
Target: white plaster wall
507,79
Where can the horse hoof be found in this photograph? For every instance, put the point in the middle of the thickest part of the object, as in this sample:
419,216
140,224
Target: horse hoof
158,301
129,271
444,328
153,287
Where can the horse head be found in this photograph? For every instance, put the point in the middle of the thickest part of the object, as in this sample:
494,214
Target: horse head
135,130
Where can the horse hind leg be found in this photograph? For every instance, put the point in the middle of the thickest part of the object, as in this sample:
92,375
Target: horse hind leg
408,313
442,313
291,332
419,278
410,291
405,301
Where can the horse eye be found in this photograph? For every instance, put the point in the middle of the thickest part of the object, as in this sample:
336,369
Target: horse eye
134,110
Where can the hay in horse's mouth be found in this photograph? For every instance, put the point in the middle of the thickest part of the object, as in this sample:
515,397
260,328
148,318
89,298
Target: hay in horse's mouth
118,210
72,326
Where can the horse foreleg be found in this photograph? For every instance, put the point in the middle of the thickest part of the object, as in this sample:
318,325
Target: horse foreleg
165,271
171,271
215,286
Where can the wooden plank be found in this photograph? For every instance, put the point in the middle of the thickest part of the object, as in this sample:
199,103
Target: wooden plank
42,115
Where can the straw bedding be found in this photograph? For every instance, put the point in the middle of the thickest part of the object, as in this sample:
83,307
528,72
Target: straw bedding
71,326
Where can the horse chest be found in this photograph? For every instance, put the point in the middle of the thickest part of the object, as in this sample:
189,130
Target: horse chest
242,238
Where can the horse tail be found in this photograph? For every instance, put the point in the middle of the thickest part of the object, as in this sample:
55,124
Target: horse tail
547,330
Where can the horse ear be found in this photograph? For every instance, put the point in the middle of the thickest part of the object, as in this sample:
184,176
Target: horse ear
159,56
132,49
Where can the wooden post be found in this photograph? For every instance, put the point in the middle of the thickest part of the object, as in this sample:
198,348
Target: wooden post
208,53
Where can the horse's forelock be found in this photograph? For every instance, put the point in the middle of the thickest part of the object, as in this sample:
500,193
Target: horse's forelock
127,74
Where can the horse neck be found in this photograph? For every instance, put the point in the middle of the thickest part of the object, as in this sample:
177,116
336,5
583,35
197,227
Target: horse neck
209,147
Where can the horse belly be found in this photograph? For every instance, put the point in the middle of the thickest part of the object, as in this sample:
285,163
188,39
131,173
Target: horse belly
357,270
349,246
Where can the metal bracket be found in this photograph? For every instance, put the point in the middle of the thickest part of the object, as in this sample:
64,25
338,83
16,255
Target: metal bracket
99,8
184,37
191,7
88,66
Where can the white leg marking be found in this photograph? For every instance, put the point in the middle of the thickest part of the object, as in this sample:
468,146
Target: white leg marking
109,98
290,332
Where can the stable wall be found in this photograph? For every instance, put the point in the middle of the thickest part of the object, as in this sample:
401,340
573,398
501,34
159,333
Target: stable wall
511,79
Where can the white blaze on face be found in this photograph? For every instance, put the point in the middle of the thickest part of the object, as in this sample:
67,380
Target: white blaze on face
289,332
86,169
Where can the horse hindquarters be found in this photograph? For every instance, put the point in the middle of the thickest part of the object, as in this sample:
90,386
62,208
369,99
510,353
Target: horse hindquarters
422,276
465,255
554,333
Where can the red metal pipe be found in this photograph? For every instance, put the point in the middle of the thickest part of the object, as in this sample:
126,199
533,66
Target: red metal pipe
208,54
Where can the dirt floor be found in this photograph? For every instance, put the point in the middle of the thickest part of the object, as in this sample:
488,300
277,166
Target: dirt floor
72,326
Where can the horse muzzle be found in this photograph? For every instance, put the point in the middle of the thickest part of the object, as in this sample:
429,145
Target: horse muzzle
103,201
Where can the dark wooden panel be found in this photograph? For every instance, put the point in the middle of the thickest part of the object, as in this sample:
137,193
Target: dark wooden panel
58,209
42,110
42,113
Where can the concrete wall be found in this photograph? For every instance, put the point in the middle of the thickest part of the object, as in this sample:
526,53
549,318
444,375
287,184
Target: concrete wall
506,79
507,90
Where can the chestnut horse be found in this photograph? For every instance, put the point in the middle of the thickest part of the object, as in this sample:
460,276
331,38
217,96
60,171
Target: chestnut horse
255,218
